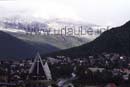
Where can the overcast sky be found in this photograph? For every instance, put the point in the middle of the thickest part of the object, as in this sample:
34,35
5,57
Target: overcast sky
101,12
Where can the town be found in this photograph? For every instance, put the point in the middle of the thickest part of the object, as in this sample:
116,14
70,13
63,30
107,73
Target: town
98,70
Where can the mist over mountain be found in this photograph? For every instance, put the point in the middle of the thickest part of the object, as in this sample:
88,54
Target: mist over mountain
115,40
36,25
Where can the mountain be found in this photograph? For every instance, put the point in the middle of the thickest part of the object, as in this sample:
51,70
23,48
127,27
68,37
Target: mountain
115,40
64,26
11,47
19,27
28,29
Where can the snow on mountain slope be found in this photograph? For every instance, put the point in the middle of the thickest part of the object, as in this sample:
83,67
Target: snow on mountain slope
34,32
56,26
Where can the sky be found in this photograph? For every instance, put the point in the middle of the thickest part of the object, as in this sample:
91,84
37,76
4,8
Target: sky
100,12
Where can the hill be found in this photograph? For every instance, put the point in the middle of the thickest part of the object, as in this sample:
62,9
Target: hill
11,47
115,40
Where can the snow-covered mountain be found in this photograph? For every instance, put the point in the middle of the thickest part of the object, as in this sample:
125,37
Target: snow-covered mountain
43,34
56,26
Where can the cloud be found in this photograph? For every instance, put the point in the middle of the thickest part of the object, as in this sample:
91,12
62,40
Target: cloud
41,8
102,12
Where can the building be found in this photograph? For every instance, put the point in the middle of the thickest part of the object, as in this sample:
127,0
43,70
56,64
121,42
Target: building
39,73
